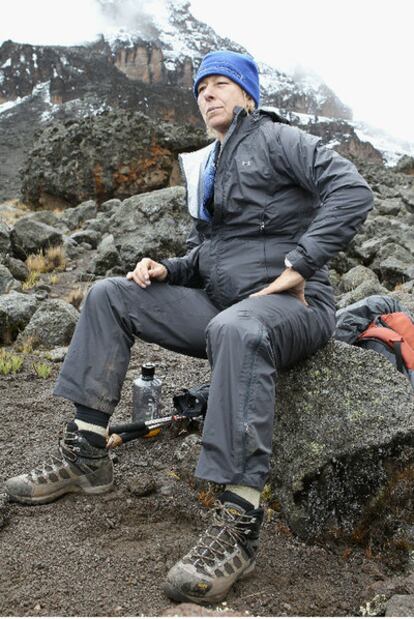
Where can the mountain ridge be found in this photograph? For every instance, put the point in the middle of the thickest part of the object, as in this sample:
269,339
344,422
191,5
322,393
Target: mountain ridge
149,70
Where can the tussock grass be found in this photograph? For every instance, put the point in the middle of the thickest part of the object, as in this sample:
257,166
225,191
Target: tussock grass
31,280
55,258
54,279
75,296
10,363
42,370
52,259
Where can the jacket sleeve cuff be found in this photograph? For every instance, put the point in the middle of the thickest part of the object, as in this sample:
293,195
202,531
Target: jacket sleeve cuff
298,262
167,264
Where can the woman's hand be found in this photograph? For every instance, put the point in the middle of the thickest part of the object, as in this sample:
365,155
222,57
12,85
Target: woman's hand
289,281
146,270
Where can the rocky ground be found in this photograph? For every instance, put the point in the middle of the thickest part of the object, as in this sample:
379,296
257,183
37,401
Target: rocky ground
108,555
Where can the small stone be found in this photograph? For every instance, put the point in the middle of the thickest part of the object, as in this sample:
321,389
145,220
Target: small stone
57,354
142,485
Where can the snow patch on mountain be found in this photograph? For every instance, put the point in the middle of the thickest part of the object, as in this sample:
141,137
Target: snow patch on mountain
392,149
41,89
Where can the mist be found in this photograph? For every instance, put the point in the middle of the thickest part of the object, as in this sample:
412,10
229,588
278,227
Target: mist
362,50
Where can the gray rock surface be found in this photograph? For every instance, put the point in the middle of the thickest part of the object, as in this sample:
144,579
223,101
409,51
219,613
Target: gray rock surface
339,439
5,244
76,216
186,456
110,205
134,222
7,281
400,606
113,155
405,165
16,309
52,324
407,196
33,236
17,268
356,276
72,249
365,289
395,271
4,510
89,236
107,256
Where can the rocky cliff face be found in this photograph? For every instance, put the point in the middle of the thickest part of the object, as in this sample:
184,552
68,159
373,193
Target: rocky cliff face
149,70
115,154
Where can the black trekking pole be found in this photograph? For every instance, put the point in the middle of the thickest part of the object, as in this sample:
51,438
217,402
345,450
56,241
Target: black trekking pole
125,432
190,404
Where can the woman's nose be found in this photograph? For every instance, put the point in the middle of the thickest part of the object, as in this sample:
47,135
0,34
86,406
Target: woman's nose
208,92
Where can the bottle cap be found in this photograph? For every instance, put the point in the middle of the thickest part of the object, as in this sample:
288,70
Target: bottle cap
147,370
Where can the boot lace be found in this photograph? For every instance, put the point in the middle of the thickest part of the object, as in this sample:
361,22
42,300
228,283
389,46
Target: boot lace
54,462
226,531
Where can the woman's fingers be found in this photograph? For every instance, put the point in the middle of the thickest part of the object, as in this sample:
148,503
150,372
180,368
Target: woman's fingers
146,270
289,281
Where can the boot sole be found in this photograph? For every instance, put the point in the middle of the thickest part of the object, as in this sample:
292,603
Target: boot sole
42,500
177,595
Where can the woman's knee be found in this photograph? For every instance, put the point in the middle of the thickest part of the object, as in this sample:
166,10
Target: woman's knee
105,290
240,325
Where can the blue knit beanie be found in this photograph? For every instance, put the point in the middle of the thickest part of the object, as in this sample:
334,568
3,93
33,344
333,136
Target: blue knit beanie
238,67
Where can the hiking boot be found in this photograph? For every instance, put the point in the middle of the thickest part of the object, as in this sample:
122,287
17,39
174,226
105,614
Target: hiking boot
77,467
223,554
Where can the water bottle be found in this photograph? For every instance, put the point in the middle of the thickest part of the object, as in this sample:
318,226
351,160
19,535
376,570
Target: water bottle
146,395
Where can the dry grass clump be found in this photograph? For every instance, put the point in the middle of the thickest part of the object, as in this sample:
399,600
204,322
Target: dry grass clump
52,259
31,280
75,296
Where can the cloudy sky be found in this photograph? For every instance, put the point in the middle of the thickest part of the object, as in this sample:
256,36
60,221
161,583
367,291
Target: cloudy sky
362,49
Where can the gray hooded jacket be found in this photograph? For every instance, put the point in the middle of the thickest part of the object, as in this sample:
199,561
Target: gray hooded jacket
278,193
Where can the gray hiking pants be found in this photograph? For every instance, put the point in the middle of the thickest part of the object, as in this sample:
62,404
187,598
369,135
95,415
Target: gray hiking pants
245,344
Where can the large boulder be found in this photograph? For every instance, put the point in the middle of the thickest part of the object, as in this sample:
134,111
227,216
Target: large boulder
52,324
155,224
30,236
115,154
16,309
343,437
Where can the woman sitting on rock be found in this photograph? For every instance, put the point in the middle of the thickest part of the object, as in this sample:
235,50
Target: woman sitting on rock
271,207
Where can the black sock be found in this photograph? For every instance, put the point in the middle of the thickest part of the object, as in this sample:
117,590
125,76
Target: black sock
97,423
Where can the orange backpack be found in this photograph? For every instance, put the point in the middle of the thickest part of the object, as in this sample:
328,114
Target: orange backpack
395,331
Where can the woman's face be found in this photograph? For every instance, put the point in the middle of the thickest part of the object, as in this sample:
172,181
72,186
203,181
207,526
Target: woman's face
217,98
